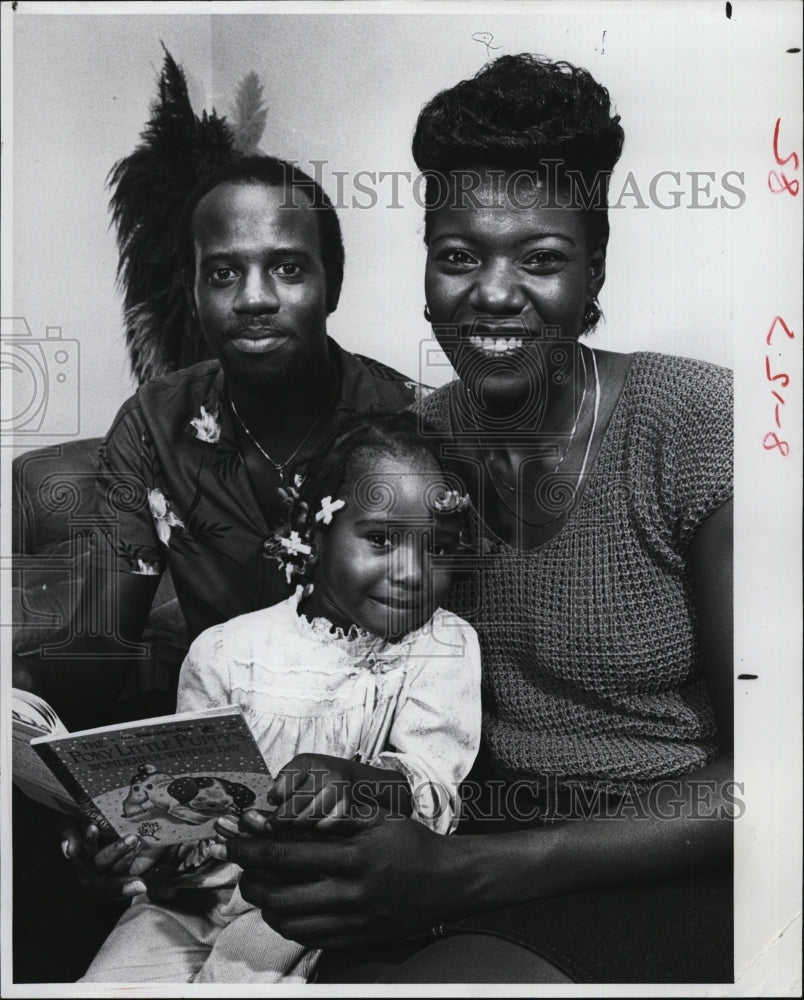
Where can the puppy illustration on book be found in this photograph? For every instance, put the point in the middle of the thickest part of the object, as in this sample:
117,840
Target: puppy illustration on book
186,798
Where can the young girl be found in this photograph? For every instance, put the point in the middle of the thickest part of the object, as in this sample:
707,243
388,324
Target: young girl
361,692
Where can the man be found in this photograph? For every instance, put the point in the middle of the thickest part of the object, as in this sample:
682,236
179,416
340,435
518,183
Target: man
192,468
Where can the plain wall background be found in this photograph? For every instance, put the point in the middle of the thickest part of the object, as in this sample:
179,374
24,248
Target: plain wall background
346,89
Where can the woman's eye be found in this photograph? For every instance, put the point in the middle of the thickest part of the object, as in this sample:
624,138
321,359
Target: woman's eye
543,260
457,258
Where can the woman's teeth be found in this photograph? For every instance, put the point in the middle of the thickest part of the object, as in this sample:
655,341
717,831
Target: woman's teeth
496,345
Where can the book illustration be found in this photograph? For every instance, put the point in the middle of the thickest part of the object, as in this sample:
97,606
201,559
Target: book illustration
166,780
186,798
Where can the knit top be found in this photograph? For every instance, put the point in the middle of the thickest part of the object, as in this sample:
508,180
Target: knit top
589,651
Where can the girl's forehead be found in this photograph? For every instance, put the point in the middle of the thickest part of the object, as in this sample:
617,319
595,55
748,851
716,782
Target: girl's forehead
381,464
396,489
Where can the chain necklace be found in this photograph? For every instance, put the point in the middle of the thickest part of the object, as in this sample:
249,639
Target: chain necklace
280,467
491,468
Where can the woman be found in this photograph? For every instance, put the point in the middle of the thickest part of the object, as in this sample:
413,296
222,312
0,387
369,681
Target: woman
601,594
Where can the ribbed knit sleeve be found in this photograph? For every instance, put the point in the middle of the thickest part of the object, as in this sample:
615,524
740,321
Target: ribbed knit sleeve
678,449
700,453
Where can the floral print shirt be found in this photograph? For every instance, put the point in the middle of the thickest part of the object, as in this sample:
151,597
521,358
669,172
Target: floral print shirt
176,492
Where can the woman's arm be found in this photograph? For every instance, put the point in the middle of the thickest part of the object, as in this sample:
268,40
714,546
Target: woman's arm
398,878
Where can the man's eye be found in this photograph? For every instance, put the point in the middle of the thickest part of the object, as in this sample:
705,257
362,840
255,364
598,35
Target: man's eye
288,269
222,276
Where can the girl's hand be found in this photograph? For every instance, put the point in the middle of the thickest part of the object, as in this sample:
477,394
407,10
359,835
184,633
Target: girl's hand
315,791
110,871
120,870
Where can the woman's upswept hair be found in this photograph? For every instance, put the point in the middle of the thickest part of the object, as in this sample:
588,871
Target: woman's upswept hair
524,112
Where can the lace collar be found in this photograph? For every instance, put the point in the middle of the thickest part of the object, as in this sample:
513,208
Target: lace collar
355,640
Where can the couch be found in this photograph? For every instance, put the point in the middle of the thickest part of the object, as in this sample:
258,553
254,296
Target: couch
54,511
57,926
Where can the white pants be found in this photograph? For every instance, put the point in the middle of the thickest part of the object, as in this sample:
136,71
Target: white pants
229,943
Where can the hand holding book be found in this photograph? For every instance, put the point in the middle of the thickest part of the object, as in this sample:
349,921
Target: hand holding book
115,870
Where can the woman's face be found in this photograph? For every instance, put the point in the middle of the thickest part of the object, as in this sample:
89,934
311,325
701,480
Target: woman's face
505,279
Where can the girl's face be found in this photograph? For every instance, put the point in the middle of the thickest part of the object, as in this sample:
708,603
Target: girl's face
506,275
375,565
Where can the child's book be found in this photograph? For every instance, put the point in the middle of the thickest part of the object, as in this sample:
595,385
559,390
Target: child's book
166,779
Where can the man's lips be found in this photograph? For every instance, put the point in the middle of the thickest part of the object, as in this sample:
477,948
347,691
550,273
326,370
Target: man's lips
258,340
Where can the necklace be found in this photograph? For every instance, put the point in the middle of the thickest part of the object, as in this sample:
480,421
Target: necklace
280,467
578,412
491,468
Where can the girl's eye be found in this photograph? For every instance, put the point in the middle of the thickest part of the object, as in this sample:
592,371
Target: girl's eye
378,540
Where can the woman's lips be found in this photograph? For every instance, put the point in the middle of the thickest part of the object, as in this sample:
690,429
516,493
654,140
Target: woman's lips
496,345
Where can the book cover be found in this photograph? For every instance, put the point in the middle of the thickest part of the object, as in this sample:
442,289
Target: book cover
166,780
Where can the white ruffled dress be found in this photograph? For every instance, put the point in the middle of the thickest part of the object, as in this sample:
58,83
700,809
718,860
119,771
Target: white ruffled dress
411,706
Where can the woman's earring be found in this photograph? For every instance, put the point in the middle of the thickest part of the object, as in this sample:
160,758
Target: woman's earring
592,315
427,315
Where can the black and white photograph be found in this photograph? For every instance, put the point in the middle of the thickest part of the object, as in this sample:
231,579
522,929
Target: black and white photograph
400,566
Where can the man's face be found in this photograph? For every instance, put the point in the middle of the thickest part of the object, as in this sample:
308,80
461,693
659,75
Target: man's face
260,286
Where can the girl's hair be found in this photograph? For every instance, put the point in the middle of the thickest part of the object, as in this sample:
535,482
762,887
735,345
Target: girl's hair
344,459
517,113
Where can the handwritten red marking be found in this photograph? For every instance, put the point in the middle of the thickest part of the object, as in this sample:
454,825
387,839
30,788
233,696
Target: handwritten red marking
784,184
781,181
775,378
785,327
773,438
787,159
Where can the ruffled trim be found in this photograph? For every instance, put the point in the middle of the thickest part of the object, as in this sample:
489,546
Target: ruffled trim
356,640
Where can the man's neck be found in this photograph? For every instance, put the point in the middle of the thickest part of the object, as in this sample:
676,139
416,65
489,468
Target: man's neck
288,404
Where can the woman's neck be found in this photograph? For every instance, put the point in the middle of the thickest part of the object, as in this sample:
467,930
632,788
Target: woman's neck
548,400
